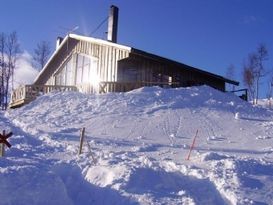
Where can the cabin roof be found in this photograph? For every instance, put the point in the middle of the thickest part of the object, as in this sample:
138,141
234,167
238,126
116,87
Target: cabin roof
178,64
134,51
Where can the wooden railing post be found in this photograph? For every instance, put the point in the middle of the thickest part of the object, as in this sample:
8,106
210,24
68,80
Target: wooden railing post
24,91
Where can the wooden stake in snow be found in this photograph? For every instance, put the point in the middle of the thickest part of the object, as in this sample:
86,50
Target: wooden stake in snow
4,142
81,139
192,145
89,147
2,150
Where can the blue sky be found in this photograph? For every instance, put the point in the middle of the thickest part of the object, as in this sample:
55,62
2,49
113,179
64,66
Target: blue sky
208,34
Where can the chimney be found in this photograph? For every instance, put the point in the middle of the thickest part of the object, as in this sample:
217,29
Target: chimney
112,24
58,42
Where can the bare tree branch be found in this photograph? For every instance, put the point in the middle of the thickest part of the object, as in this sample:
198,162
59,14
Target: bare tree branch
12,47
41,54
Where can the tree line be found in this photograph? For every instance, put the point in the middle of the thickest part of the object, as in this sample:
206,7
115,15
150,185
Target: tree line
9,54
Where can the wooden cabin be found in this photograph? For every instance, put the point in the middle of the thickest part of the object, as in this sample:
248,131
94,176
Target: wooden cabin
92,65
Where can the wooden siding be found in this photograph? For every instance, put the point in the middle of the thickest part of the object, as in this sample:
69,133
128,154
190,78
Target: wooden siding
141,69
108,57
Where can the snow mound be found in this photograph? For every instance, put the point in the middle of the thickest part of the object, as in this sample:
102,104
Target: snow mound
137,149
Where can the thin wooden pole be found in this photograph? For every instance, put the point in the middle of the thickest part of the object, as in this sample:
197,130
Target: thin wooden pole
2,150
81,139
192,145
2,146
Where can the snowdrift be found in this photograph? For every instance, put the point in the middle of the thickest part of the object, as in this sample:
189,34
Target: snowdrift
136,148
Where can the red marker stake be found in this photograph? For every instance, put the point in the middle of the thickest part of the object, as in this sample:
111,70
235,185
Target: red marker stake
192,145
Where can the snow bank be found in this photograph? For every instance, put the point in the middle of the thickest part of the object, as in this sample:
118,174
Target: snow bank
137,147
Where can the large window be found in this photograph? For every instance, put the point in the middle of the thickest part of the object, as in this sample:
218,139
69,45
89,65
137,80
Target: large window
87,69
84,71
70,73
79,69
65,75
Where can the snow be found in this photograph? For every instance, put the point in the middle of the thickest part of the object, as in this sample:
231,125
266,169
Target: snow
136,147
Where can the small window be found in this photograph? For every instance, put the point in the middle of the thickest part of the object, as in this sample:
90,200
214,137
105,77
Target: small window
130,75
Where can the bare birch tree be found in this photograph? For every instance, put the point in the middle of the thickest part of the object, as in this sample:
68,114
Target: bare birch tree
254,70
269,92
41,54
9,50
2,70
260,72
248,79
12,51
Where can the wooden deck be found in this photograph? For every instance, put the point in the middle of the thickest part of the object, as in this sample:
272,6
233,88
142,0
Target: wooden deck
28,93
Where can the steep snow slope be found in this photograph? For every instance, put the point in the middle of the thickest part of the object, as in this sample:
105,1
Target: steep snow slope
138,145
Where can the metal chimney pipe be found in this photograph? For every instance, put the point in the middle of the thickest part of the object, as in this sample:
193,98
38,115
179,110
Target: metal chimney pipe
58,42
112,24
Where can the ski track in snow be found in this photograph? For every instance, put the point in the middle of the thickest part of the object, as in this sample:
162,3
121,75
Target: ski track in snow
139,141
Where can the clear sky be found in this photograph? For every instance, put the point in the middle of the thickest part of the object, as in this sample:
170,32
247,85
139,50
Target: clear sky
208,34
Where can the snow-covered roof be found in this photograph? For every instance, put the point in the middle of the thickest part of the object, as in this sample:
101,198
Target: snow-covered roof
99,41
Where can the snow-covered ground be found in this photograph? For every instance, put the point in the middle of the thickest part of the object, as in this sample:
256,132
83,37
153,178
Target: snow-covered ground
136,148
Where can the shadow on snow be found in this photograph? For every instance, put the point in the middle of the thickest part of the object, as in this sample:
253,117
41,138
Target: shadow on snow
162,184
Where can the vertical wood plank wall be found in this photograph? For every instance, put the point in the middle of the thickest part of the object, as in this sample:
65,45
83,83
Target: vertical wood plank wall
108,57
149,70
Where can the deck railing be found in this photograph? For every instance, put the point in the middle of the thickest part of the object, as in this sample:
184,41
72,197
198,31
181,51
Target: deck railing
27,93
242,93
108,86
